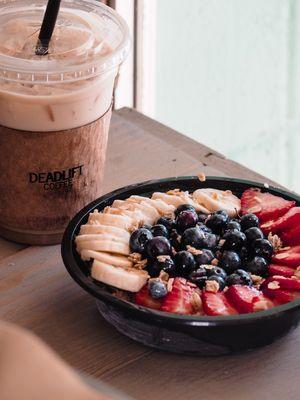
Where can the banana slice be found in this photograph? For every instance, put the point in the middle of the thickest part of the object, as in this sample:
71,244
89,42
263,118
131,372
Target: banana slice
161,206
137,216
178,199
128,279
100,236
108,246
111,259
104,229
214,200
119,221
145,208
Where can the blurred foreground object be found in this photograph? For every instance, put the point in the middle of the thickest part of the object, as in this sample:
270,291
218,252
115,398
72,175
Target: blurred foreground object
30,370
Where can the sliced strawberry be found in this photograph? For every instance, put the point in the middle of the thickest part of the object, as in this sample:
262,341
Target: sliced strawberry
289,220
143,298
247,299
181,298
282,283
216,304
289,256
265,205
281,270
281,296
291,237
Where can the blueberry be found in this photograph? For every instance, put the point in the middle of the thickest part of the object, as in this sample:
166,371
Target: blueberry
175,239
202,217
185,262
258,266
198,277
205,257
234,240
249,221
218,221
159,230
169,267
158,246
253,234
216,271
240,277
186,219
139,239
219,280
156,266
244,254
263,248
193,237
230,261
169,223
203,227
233,224
157,289
209,241
184,207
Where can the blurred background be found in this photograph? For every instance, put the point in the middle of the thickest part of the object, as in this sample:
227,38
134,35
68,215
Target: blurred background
223,72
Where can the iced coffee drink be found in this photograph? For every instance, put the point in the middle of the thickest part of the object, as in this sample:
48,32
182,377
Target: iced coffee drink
54,113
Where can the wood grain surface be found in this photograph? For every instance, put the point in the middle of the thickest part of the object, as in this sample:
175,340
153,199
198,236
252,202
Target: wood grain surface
37,293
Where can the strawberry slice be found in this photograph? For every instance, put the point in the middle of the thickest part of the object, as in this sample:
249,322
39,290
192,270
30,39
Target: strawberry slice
289,256
265,205
281,270
288,221
280,296
291,237
184,298
280,282
216,304
247,299
143,298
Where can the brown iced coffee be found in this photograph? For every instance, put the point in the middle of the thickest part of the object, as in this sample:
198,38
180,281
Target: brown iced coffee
54,113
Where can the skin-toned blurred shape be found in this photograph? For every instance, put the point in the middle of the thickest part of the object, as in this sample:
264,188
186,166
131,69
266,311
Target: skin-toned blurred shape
30,370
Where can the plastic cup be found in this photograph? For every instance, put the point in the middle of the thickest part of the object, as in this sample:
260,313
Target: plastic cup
54,113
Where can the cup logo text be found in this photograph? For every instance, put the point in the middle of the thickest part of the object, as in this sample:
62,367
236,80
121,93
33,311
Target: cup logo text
56,180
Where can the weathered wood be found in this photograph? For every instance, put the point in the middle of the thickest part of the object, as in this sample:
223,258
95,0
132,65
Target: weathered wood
37,292
8,248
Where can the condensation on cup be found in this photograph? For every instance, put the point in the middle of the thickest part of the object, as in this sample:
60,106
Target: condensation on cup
54,113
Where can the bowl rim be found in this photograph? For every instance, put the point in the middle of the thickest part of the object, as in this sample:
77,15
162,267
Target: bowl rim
67,252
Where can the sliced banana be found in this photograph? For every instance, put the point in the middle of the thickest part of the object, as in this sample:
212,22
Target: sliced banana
214,200
178,199
111,230
162,207
100,236
119,221
137,216
131,280
108,246
111,259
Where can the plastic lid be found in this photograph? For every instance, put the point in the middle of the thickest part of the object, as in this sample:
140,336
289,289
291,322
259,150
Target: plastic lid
89,39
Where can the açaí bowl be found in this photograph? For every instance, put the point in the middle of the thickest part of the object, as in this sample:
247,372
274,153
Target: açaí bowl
202,335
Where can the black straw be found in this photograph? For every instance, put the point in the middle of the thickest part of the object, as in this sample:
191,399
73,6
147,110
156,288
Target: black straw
47,27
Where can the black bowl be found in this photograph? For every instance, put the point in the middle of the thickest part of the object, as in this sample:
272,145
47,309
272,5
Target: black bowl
200,335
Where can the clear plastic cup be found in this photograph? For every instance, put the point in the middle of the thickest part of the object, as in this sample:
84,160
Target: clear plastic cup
54,113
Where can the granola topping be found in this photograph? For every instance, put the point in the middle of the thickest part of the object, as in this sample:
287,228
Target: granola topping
212,286
202,177
275,240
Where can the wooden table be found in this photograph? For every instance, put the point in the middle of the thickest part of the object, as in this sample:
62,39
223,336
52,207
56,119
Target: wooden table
37,293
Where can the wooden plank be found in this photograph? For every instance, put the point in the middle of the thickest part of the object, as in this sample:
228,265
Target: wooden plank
203,154
8,248
37,293
271,373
